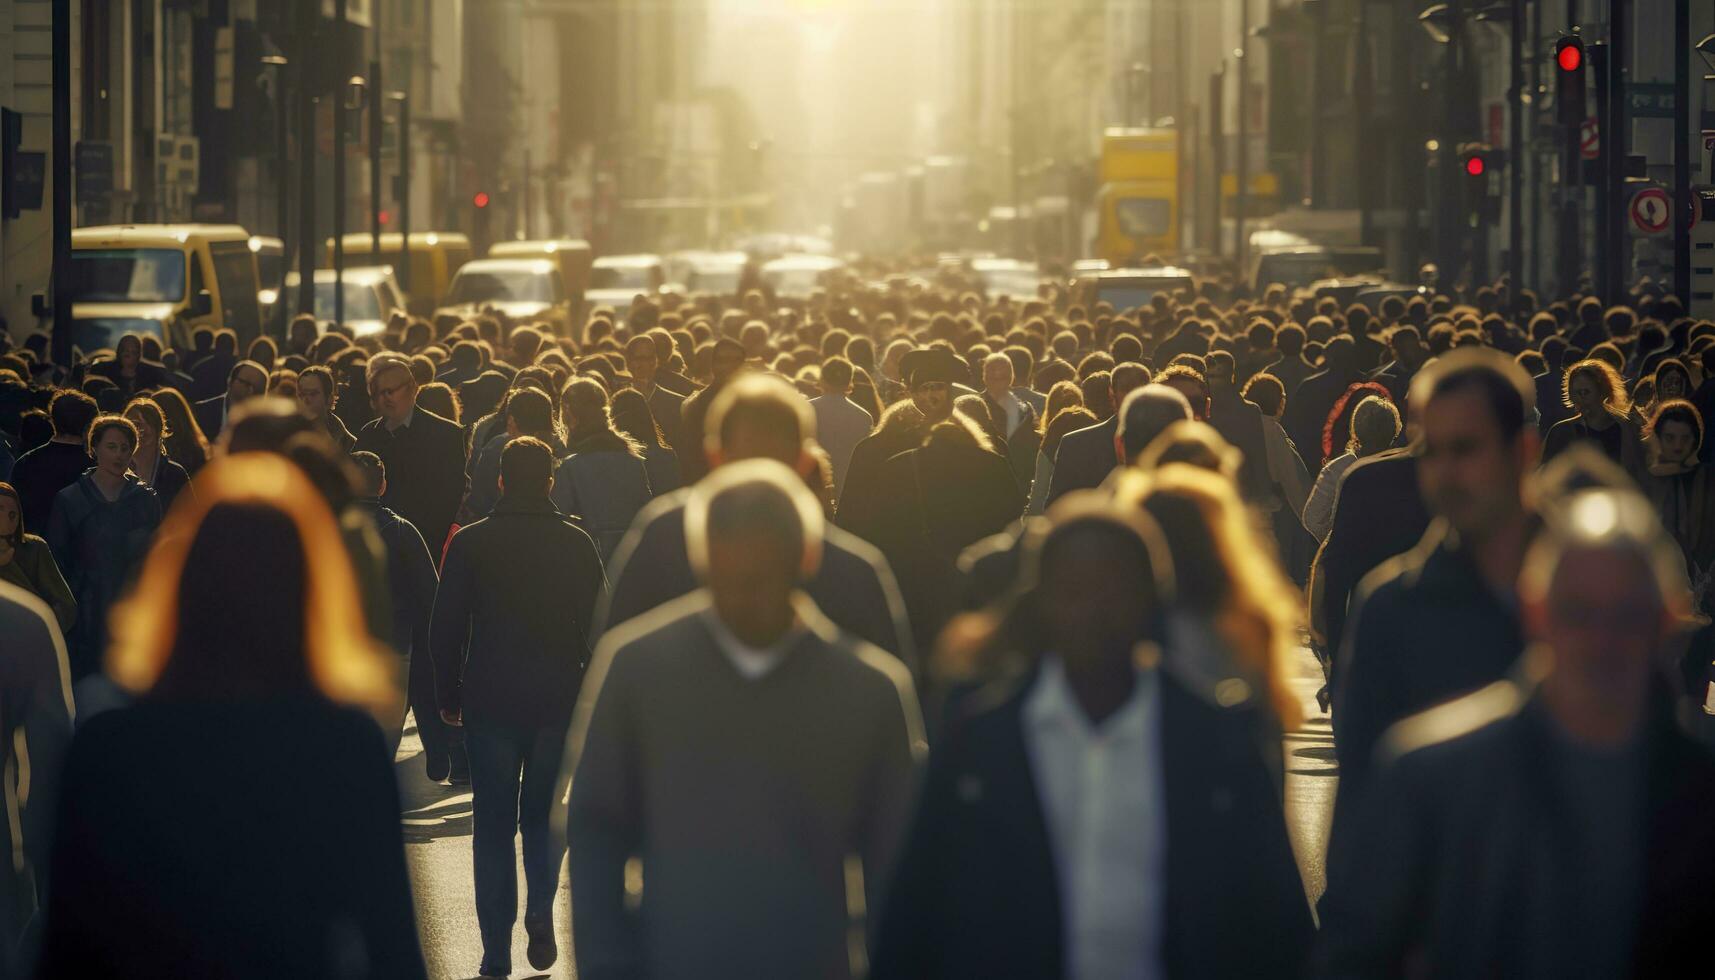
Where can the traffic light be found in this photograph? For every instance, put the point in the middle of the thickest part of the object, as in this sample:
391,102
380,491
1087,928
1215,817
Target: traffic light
1569,100
1478,159
480,200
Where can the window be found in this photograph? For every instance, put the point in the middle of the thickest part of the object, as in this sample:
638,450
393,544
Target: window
235,275
1144,217
128,275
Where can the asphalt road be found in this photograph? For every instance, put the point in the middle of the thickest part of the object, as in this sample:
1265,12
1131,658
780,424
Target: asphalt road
438,849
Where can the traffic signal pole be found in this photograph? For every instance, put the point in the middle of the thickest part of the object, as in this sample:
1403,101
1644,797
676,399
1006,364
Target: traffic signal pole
1516,158
1598,54
1684,209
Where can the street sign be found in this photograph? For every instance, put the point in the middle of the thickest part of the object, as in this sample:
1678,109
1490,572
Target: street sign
1589,139
94,163
1651,211
1650,100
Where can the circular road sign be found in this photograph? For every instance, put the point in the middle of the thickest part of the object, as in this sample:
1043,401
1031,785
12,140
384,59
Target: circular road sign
1651,210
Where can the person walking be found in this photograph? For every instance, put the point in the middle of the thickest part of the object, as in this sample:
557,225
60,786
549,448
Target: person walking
27,562
1014,420
747,749
318,396
1374,427
245,380
424,453
760,417
149,459
1086,456
1088,813
184,440
1554,823
40,474
528,412
643,359
1441,620
632,417
840,424
1597,394
603,481
100,529
509,635
253,676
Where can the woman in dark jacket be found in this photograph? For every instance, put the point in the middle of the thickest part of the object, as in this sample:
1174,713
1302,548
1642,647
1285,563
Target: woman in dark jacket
99,532
604,481
632,416
172,854
149,460
183,437
27,562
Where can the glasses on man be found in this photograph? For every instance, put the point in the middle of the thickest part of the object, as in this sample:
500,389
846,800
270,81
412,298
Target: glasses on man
388,391
932,387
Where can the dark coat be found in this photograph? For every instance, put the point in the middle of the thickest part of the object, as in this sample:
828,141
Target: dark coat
40,475
425,471
1425,628
99,545
1563,434
976,893
854,587
211,416
315,889
170,480
208,377
341,436
668,409
1290,372
411,578
1458,848
512,622
1021,444
866,492
1378,513
942,498
1085,458
662,464
1307,410
150,375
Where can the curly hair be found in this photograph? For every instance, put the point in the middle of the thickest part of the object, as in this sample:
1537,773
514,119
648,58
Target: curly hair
1603,375
1339,418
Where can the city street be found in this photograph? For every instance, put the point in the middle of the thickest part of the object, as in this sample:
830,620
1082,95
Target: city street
437,843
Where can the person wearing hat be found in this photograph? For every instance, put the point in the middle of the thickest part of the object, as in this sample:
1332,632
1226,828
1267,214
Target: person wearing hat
926,485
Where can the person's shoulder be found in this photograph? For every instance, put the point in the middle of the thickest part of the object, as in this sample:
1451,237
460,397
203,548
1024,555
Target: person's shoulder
841,545
1454,734
667,506
1384,465
437,423
665,631
22,609
1390,584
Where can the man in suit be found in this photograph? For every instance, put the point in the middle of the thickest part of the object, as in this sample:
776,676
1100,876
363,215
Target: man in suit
1014,421
245,381
1087,456
424,454
643,360
1091,814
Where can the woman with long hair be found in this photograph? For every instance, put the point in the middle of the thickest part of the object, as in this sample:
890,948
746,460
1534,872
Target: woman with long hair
27,562
1596,394
633,417
1374,426
603,481
149,460
256,683
1064,422
182,436
1336,429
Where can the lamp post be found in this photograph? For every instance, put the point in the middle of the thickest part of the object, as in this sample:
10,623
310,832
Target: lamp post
1241,201
1444,23
402,190
351,100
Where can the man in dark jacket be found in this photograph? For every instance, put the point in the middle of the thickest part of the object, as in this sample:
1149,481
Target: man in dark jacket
40,474
510,638
762,417
1307,408
424,453
1378,513
725,362
1092,816
1013,420
1554,824
411,583
1087,456
245,381
643,360
1439,621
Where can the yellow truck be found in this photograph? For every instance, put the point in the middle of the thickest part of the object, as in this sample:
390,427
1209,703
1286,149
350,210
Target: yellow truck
1137,205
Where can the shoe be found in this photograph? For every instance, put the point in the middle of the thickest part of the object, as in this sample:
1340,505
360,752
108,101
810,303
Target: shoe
437,767
542,952
459,775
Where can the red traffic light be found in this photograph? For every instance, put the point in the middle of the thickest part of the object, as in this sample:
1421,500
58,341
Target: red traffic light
1475,166
1570,57
385,217
481,199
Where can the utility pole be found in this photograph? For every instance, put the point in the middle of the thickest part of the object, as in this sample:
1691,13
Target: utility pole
1450,215
1605,206
1217,154
1242,197
1684,206
1318,95
282,179
1363,97
403,190
1516,151
309,82
339,107
1533,127
62,177
1619,235
377,130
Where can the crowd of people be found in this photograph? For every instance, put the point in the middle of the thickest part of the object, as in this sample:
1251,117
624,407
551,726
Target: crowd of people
899,633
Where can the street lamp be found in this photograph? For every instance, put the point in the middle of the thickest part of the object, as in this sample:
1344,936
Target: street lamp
351,100
1436,21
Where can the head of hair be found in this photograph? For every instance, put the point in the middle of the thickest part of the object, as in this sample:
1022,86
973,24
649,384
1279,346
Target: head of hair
1375,425
16,538
1678,410
527,467
755,499
1509,394
1063,422
372,472
72,412
387,361
1146,413
1604,376
150,412
108,423
437,398
263,425
531,411
253,561
633,417
1267,393
324,376
1192,443
1609,520
759,400
836,373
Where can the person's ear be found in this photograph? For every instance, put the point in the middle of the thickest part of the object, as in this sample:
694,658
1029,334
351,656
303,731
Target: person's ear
381,491
500,481
715,457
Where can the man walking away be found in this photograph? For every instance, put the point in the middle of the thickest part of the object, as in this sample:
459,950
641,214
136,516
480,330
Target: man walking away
518,592
751,753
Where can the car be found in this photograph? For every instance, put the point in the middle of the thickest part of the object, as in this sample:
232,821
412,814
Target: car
1008,278
435,256
162,280
523,289
716,273
1294,266
615,280
1127,289
796,277
372,296
1344,290
270,271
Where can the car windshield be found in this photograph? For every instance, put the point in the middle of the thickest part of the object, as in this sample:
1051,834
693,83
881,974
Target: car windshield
1302,269
271,269
721,281
128,275
620,277
361,302
794,282
95,333
1142,217
1130,295
492,286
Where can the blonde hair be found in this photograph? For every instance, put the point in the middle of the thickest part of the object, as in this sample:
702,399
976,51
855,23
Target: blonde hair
342,660
1231,573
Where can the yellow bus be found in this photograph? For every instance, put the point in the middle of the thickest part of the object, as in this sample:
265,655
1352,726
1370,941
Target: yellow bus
1137,207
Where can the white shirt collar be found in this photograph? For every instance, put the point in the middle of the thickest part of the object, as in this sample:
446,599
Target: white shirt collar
751,662
410,417
1051,704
